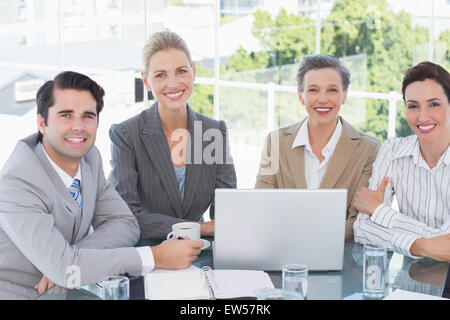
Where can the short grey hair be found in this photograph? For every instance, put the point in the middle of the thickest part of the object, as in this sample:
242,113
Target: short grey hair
160,41
321,61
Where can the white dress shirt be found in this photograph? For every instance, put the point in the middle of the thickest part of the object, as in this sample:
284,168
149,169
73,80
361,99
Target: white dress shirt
423,197
314,169
65,177
146,254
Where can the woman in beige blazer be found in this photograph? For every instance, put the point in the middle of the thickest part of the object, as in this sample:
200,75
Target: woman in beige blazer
323,150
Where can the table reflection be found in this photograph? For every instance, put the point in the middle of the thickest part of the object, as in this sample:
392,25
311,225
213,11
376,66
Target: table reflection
424,276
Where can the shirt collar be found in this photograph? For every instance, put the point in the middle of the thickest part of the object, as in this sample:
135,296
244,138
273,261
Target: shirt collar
66,178
302,138
412,149
446,156
444,159
408,149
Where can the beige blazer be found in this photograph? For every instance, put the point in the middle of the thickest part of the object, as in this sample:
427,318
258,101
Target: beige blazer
350,166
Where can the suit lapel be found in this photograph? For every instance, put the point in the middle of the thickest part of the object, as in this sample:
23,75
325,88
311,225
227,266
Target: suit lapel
89,194
61,189
193,170
159,154
295,157
343,152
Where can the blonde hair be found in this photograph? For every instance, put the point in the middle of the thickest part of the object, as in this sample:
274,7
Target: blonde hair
160,41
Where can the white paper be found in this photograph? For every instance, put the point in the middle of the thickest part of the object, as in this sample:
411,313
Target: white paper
240,283
174,285
409,295
355,296
191,284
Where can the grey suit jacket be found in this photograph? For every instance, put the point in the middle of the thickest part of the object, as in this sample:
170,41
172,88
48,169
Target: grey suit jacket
350,166
143,172
37,226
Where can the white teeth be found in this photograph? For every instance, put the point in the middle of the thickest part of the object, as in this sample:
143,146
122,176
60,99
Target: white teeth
426,127
174,95
75,140
323,109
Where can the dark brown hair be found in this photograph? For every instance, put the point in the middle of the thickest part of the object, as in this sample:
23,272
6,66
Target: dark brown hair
67,80
427,70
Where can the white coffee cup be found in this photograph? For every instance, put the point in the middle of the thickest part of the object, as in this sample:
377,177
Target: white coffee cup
185,229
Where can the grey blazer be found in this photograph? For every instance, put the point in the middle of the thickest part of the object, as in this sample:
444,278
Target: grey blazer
143,172
37,227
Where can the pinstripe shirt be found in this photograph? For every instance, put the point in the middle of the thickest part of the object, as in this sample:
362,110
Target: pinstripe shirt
423,196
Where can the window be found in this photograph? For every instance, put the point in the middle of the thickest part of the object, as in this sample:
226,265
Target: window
248,79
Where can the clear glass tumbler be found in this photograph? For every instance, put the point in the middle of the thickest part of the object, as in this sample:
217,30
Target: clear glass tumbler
374,267
116,288
295,278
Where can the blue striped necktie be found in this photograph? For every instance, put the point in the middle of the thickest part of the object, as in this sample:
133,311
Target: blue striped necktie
76,192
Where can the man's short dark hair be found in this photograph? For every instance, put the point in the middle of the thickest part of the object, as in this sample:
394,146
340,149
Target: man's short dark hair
321,61
427,70
67,80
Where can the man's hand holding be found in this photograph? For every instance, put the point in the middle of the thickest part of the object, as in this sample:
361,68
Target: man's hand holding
176,254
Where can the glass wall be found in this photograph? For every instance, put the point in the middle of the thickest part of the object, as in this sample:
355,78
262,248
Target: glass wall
28,57
246,55
376,40
104,39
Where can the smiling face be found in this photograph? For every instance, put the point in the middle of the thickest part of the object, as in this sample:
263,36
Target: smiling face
428,112
71,127
322,95
170,77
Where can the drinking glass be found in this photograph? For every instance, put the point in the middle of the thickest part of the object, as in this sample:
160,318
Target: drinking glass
374,266
295,278
116,288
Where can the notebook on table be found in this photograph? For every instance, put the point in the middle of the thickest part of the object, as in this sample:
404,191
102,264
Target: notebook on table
204,283
264,229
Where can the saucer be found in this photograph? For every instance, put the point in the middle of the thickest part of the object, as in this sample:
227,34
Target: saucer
206,244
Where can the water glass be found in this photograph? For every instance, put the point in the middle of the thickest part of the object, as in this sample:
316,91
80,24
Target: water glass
374,267
295,278
116,288
277,294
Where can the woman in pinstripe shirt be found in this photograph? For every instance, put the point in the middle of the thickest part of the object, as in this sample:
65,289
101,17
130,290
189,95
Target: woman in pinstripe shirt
168,160
417,170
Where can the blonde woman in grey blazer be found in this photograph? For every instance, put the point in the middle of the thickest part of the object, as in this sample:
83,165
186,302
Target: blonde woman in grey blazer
168,160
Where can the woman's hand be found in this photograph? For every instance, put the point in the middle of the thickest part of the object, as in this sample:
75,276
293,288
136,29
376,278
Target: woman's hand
207,228
437,248
367,201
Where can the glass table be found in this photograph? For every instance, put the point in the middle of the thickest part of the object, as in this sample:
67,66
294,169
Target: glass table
424,276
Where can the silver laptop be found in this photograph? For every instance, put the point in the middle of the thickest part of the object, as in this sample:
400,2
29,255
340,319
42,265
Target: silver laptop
264,229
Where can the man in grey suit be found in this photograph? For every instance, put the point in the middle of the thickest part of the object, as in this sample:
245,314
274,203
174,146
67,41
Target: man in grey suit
52,189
